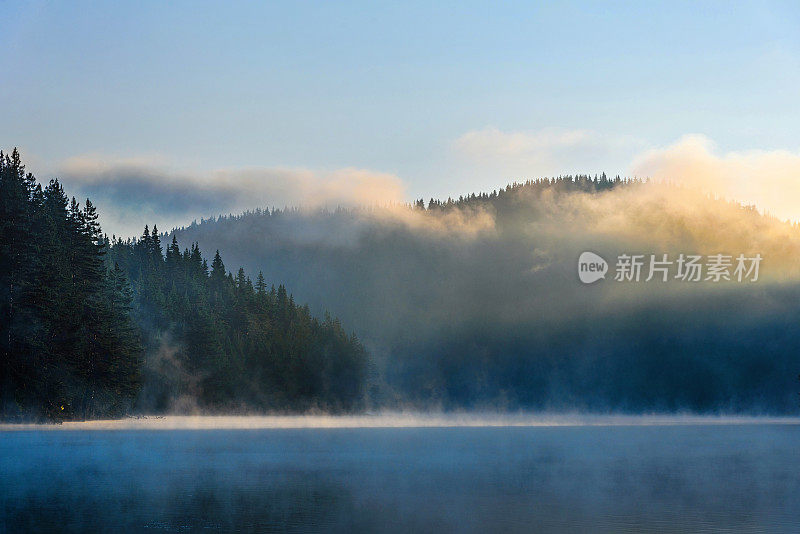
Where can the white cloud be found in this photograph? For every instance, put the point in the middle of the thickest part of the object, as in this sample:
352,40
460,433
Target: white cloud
513,155
493,143
769,179
132,192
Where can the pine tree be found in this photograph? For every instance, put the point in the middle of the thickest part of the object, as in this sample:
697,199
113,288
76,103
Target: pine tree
261,285
64,324
217,269
173,253
241,280
17,250
125,360
154,247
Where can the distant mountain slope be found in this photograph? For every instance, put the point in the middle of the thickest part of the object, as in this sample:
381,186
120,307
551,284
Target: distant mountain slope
476,302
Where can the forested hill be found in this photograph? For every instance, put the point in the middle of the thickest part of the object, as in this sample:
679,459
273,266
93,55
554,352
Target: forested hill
95,329
467,303
226,344
476,303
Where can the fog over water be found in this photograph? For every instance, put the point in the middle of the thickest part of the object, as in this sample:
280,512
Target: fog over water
415,473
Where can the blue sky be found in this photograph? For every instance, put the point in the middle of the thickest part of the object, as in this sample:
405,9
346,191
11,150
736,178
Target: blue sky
446,98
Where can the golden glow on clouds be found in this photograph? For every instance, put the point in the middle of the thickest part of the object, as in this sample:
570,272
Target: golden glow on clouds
134,191
769,179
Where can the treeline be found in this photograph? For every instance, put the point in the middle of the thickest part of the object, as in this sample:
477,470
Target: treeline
69,345
225,343
93,328
502,199
561,184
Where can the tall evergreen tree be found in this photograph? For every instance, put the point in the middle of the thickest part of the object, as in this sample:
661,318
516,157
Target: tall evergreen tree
17,249
60,327
261,285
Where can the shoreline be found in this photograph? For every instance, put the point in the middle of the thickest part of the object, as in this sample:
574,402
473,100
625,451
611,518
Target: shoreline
397,420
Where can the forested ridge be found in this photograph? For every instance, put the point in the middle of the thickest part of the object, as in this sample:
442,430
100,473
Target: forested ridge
98,328
475,303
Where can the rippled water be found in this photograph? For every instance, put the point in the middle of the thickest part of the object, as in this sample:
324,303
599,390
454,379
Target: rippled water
601,478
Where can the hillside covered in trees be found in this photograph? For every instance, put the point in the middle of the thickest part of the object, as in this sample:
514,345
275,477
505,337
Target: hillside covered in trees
475,302
224,343
92,328
468,303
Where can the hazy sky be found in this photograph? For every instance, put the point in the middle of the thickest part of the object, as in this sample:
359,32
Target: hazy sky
427,100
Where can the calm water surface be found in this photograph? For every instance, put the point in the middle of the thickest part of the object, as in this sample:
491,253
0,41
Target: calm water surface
698,478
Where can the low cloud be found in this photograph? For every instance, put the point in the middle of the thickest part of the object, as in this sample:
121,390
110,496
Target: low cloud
768,179
539,153
135,192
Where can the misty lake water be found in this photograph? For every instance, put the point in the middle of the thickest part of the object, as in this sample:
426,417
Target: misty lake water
616,477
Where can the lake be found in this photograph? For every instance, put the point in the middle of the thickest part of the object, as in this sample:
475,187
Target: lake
427,475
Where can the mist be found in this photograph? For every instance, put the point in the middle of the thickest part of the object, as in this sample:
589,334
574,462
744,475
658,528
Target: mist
477,303
559,478
145,190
